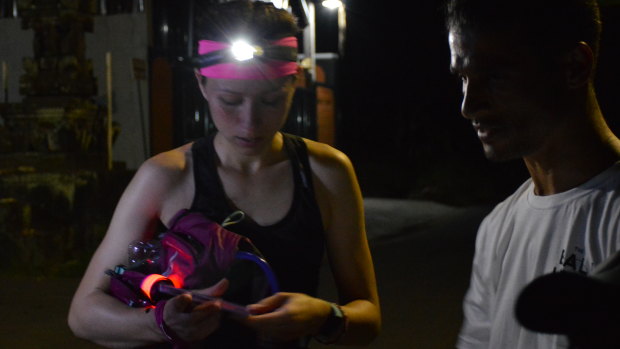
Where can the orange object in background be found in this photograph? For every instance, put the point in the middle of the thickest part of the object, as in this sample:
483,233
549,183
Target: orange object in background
325,110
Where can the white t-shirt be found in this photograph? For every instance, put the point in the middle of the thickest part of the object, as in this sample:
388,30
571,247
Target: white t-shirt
526,236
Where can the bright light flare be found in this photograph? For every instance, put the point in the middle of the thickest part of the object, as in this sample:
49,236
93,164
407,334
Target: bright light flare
332,4
242,51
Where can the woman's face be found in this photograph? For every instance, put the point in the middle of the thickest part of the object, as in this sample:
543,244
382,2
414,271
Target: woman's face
248,113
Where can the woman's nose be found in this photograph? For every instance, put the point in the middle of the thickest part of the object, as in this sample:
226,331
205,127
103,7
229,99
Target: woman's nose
250,115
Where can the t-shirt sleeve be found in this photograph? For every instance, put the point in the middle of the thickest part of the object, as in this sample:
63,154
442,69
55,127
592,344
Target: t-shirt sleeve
476,329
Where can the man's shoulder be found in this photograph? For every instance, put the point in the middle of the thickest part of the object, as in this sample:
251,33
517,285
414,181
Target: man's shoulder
515,199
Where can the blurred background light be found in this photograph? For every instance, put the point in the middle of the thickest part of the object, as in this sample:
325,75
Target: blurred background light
332,4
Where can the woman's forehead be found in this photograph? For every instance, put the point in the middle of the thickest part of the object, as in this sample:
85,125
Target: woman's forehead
250,86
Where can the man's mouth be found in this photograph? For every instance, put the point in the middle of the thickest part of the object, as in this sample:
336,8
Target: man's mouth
486,132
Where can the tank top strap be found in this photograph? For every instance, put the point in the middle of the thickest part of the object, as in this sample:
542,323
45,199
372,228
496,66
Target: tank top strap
298,155
209,196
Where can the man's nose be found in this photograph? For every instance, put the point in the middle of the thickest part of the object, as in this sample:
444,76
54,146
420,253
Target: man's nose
475,98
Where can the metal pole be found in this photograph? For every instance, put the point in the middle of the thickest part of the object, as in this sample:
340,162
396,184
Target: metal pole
145,147
108,63
190,29
310,37
342,28
5,85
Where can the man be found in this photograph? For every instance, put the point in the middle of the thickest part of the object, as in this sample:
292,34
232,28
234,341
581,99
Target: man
527,71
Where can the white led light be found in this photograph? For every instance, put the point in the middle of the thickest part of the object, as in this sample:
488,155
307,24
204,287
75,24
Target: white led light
278,3
332,4
242,51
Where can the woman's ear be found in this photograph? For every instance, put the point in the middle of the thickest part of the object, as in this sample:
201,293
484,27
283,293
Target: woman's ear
202,83
579,65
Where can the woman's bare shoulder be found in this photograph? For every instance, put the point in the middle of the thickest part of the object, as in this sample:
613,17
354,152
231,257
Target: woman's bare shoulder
163,172
167,167
164,182
327,161
175,160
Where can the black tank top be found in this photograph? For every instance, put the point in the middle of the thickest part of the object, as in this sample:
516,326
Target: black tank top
293,247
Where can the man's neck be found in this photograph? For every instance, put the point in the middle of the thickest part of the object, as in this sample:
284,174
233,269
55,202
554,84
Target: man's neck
575,157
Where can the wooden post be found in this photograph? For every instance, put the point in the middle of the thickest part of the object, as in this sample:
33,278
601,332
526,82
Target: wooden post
5,85
108,64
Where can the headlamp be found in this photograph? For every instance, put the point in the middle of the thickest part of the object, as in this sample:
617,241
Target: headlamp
242,51
244,60
215,52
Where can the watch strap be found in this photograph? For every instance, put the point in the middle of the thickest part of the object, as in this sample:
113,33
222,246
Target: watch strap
334,327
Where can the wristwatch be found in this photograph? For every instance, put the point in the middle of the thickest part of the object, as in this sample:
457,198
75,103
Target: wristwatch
334,327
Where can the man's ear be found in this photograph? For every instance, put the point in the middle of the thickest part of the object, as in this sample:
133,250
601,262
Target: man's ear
579,65
202,82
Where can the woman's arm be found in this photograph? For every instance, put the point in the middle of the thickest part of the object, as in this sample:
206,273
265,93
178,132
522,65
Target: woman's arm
349,256
155,191
286,316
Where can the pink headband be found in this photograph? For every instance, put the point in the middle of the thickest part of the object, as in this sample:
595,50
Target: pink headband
265,66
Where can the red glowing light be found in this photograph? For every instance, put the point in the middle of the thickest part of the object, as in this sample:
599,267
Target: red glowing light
150,281
177,280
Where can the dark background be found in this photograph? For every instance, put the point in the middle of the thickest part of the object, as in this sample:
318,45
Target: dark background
398,105
400,119
399,122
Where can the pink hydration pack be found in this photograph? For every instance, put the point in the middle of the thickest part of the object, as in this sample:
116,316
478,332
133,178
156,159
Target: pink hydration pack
193,253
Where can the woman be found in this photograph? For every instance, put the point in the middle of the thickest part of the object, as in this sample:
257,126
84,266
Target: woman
299,198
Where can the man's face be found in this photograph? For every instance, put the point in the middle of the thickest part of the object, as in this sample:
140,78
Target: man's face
507,94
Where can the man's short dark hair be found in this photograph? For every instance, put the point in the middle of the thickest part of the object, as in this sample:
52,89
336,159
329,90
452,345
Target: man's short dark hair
551,27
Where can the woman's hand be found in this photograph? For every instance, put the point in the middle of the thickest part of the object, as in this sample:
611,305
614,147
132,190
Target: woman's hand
193,322
287,316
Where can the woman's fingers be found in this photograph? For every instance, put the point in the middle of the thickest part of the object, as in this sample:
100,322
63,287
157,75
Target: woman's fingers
286,316
268,304
179,304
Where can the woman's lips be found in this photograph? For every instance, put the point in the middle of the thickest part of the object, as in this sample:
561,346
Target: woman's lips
248,142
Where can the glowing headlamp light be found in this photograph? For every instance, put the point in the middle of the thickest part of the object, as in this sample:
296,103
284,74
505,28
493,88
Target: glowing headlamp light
242,51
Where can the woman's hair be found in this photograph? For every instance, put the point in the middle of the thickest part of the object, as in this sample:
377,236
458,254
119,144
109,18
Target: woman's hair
252,20
548,26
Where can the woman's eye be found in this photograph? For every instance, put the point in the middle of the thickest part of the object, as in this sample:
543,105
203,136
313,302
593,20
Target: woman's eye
272,101
230,102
